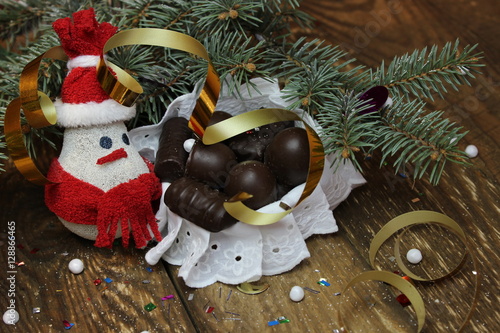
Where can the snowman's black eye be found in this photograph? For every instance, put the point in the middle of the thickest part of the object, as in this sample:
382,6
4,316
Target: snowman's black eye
125,139
106,142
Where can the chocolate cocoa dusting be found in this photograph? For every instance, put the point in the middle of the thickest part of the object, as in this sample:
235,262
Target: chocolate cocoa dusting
198,203
252,145
171,156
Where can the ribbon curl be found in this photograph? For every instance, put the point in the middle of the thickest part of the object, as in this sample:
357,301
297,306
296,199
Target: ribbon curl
124,89
404,222
39,112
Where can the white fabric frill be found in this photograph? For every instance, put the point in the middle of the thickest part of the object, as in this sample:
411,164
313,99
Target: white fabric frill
243,252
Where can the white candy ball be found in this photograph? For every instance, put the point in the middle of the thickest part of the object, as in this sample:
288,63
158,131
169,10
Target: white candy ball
414,256
188,145
297,294
76,266
471,151
10,317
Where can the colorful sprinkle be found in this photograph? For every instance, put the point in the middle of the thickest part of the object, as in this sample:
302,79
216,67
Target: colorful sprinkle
403,300
35,250
273,323
108,280
311,290
167,297
323,282
149,307
97,282
210,309
67,324
149,269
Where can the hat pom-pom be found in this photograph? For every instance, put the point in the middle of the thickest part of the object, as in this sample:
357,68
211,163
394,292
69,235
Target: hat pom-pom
83,35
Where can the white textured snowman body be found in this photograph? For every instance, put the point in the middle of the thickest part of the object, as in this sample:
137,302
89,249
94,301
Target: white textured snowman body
82,149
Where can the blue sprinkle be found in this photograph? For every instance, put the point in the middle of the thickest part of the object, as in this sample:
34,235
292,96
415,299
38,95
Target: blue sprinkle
273,323
149,269
108,280
402,175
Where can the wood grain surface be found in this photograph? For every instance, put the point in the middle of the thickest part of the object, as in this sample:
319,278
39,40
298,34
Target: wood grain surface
371,31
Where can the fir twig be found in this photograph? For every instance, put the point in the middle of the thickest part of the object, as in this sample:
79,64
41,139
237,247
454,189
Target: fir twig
424,73
425,139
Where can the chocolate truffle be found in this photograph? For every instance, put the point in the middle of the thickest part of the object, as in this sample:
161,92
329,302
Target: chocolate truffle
171,156
210,163
255,178
217,117
198,203
288,156
252,145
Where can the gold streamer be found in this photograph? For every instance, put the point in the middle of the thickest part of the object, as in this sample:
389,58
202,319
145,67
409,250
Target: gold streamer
248,121
39,112
396,281
125,90
406,221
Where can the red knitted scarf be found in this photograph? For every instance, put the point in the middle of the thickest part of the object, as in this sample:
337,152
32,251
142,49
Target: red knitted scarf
129,204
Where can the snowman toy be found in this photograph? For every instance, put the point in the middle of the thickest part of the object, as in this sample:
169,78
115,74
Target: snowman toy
101,188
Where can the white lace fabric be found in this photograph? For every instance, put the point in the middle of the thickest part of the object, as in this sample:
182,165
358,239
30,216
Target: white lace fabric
243,252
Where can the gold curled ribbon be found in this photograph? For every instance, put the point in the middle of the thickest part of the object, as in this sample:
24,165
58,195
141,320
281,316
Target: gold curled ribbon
256,118
396,281
39,112
125,89
404,222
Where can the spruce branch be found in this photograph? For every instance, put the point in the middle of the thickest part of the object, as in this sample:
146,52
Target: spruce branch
424,139
247,39
345,129
424,73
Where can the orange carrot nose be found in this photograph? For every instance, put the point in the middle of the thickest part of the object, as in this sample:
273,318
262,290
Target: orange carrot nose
115,155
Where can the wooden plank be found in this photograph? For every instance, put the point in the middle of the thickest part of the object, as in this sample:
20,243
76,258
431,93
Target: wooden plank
333,258
45,247
470,196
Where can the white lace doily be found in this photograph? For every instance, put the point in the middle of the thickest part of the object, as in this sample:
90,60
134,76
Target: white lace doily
244,253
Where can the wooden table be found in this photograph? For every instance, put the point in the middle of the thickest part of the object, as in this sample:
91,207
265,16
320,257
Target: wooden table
371,30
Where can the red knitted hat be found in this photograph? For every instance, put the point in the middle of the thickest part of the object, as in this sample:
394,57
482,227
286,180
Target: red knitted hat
83,102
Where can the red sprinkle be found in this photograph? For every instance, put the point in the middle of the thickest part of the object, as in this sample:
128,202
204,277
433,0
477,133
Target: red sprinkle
35,250
97,282
403,300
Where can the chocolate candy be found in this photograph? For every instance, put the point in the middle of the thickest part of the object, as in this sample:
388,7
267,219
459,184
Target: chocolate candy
288,156
217,117
255,178
252,145
198,203
171,156
210,163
